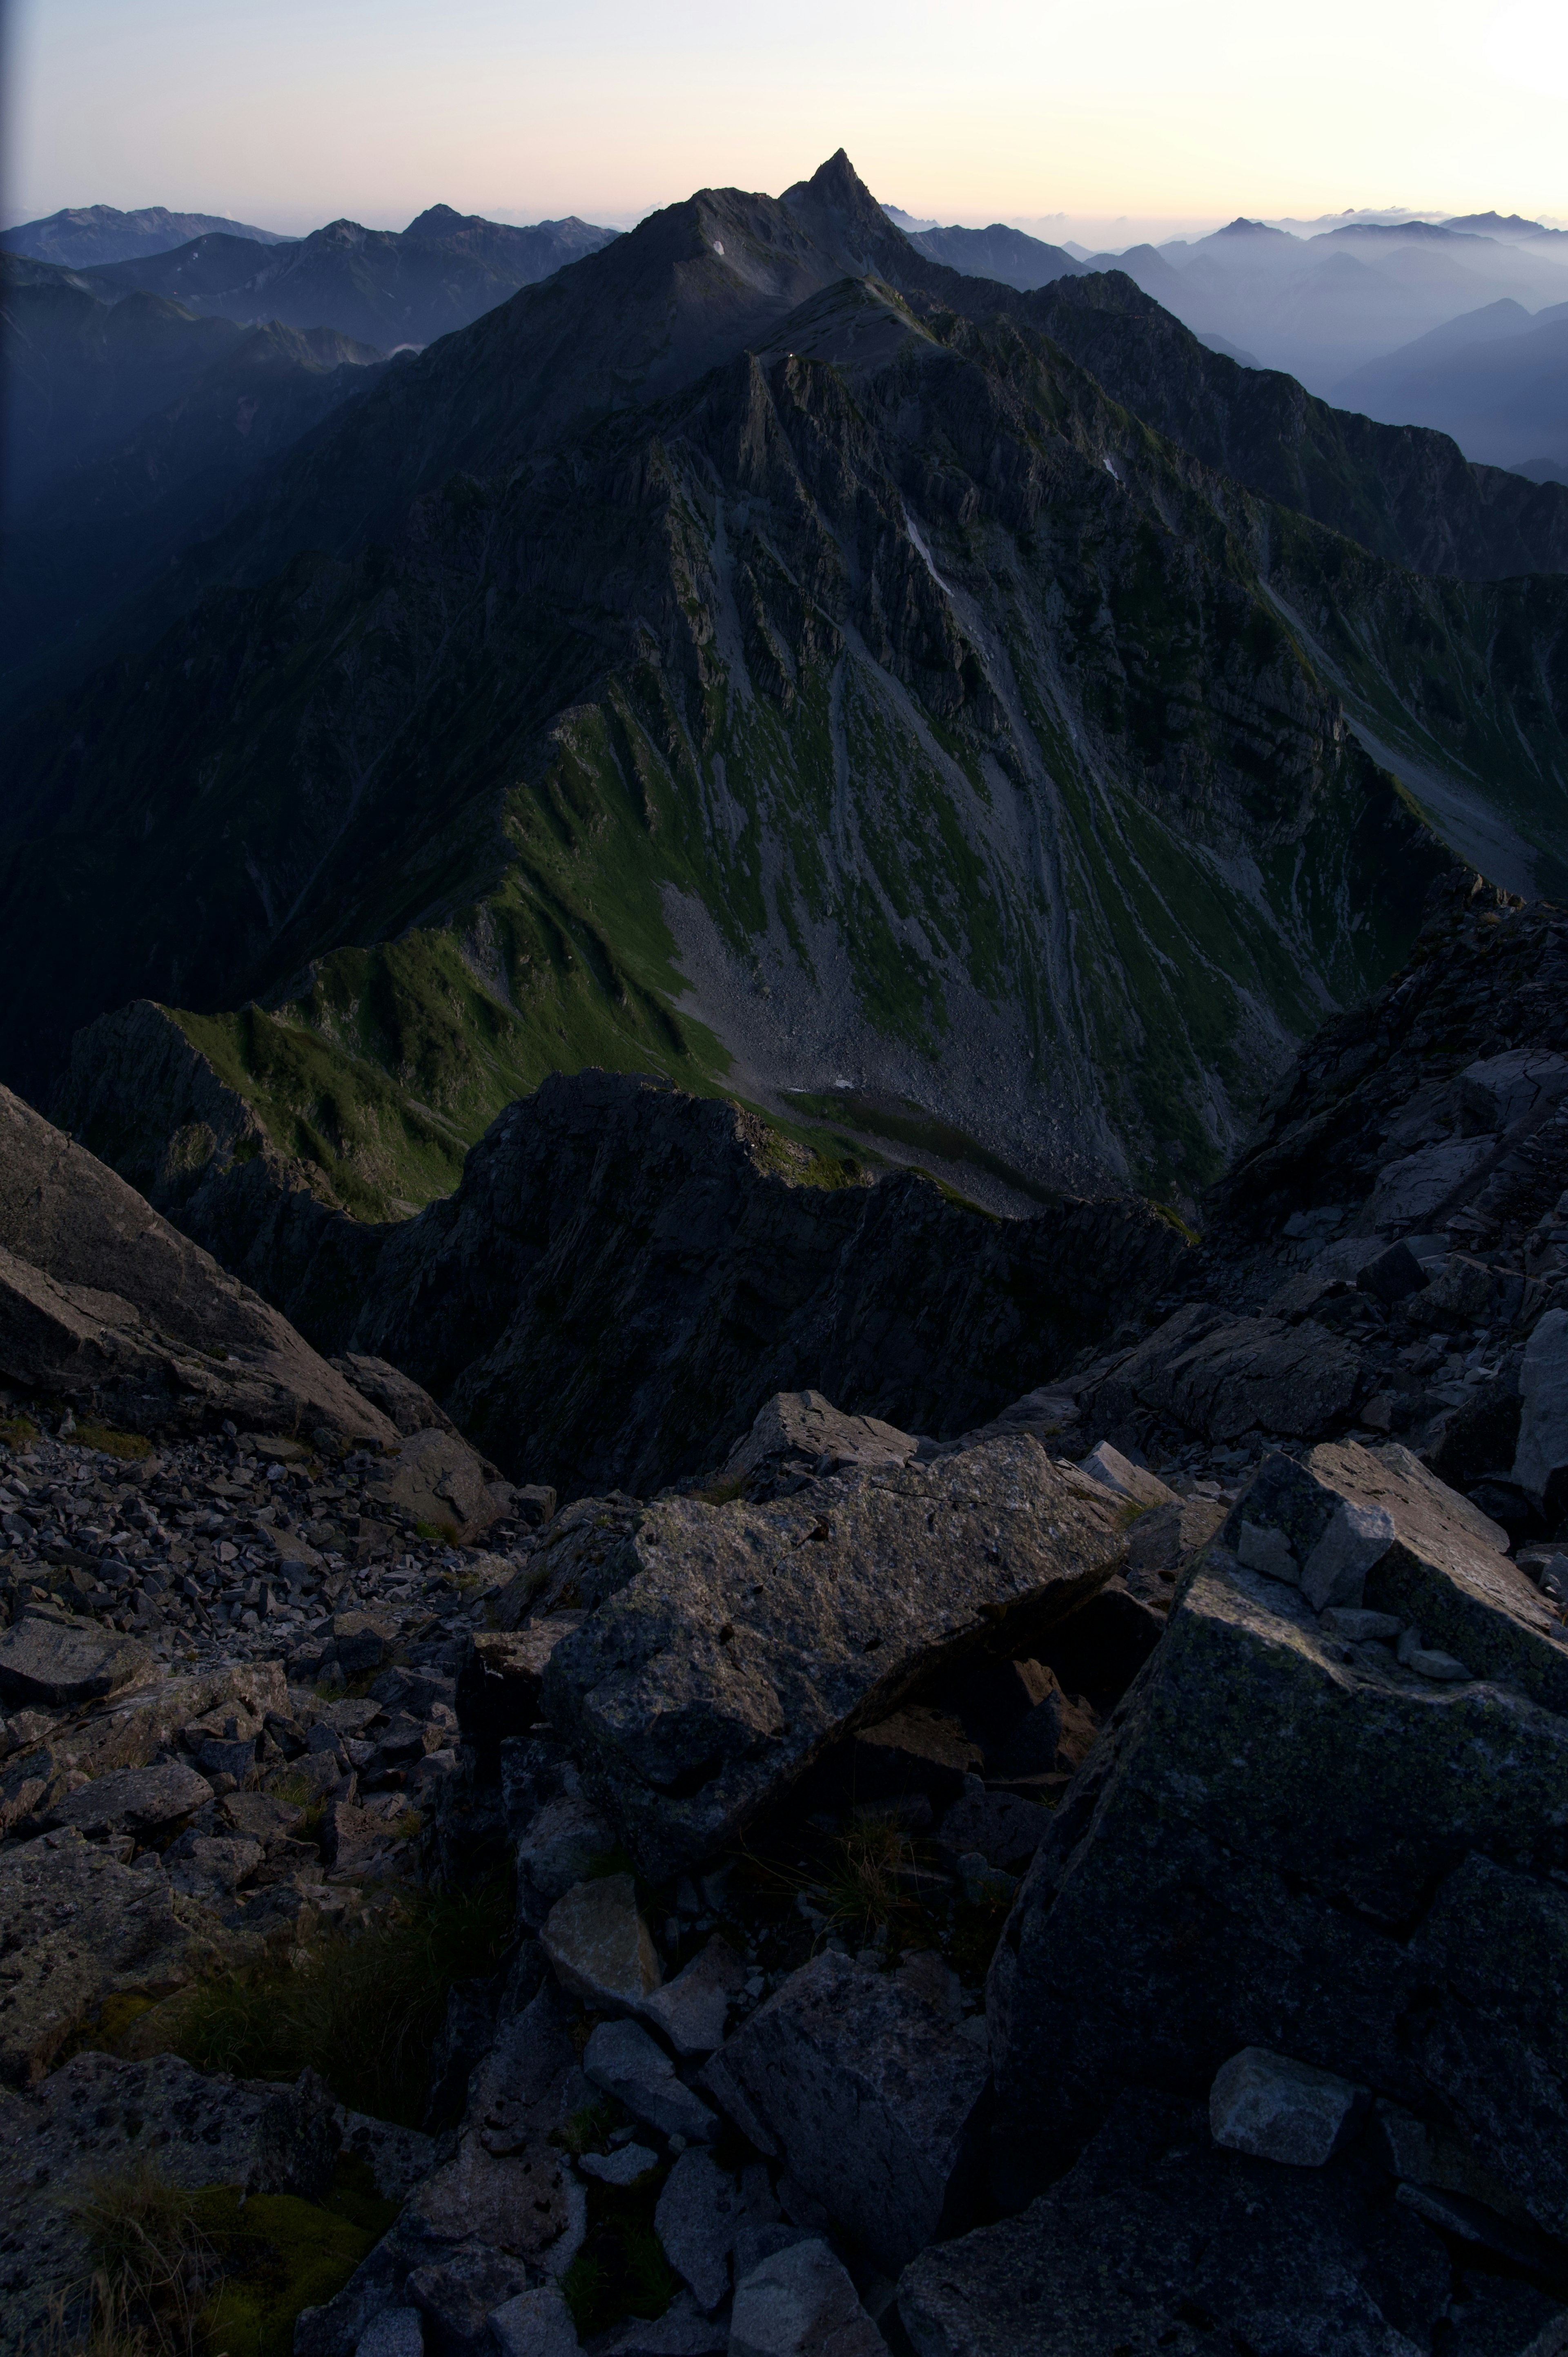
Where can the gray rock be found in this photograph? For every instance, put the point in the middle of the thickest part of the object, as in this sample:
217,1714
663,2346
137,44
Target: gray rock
599,1945
498,1683
1134,1483
1004,1830
620,2168
527,2204
873,2100
76,1926
1411,1189
1223,1376
682,2331
801,2302
395,2332
1242,1864
139,1801
436,1477
530,2081
1498,1091
458,2294
1279,2109
745,1638
691,2011
1292,1523
563,1841
534,2324
919,1749
398,2158
43,1663
1392,1275
1360,1628
700,2211
623,2060
1158,2242
1543,1422
210,1866
797,1430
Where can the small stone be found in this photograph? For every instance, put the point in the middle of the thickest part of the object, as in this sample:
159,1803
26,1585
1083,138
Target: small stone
1359,1627
622,2167
1427,1663
624,2061
1135,1483
691,2010
599,1945
1279,2109
801,2303
534,2324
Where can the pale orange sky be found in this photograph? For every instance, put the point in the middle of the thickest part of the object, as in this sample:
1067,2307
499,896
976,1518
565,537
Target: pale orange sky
289,112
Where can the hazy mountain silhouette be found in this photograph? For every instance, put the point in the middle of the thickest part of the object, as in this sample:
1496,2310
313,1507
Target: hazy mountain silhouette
1495,379
87,234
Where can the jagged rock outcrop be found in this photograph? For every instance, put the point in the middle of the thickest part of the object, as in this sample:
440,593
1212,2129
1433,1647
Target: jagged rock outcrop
105,1305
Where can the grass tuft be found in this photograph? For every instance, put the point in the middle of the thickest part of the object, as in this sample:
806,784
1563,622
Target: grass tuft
153,2263
360,2008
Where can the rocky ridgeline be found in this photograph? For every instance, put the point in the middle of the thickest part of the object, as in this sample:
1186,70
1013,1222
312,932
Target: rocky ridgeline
1088,1878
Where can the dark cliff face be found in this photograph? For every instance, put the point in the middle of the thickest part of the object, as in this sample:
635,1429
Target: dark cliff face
625,1273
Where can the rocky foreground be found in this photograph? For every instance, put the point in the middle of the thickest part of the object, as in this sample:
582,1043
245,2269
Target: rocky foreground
1090,1882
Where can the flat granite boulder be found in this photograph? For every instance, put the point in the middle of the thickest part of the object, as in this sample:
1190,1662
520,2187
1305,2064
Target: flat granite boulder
1288,1841
741,1639
76,1926
140,1801
876,2103
45,1664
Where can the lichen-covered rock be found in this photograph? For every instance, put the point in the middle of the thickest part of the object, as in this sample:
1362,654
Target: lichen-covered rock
801,2302
873,2100
744,1639
76,1926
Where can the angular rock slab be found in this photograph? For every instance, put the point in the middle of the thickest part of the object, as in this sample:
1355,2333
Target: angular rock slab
744,1639
876,2103
621,2058
801,1428
599,1946
1241,1863
1156,2244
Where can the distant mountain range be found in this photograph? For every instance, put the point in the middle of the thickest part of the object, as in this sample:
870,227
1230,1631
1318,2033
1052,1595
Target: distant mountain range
761,653
89,234
1496,379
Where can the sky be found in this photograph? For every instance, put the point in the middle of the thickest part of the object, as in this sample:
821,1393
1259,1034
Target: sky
1126,118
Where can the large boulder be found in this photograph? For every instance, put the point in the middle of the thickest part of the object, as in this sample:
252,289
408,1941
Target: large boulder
1223,1376
104,1304
741,1639
1157,2244
875,2103
1333,1838
49,1659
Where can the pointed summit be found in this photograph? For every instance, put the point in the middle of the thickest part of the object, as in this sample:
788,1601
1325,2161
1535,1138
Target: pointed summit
843,217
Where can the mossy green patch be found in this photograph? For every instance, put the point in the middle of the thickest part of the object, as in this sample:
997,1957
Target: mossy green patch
280,2255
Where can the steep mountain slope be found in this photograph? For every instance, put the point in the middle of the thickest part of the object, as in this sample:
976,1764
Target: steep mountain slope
890,678
1007,255
1405,493
110,525
1498,385
722,651
84,235
385,288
